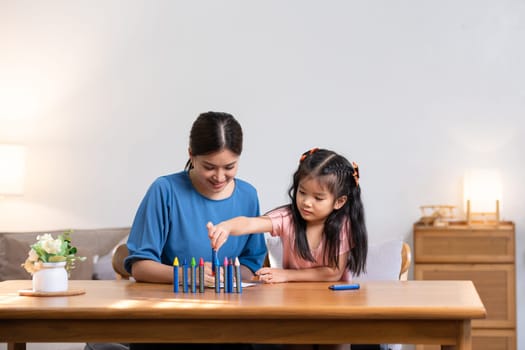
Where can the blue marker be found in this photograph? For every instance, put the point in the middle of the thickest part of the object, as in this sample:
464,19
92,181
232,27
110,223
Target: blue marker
351,286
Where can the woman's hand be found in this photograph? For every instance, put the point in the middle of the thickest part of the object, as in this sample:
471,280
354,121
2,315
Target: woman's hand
218,234
209,275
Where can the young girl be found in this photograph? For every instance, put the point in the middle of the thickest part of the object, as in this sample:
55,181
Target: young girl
323,230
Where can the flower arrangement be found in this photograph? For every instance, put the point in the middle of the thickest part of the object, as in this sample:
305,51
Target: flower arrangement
49,250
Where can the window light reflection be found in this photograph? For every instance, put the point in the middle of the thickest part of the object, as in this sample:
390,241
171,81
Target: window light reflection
172,303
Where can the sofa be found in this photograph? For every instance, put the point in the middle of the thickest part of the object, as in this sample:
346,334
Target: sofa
97,245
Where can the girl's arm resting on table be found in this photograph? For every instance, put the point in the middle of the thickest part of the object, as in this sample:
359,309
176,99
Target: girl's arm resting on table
237,226
314,274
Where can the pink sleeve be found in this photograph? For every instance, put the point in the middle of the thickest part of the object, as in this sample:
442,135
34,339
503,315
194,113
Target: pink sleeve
281,221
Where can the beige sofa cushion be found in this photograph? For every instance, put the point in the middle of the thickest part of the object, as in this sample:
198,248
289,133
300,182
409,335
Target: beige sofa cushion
14,247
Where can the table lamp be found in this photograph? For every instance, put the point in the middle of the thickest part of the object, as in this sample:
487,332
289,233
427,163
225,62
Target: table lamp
12,169
482,195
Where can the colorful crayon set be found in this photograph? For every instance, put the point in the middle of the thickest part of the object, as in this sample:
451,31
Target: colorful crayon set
231,268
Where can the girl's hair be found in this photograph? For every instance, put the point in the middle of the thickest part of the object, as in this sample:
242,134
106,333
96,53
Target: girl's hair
212,132
340,177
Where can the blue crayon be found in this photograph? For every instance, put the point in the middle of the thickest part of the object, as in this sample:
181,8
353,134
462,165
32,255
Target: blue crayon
217,272
230,276
350,286
213,260
175,275
185,276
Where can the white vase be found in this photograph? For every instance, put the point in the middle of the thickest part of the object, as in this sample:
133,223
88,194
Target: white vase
52,277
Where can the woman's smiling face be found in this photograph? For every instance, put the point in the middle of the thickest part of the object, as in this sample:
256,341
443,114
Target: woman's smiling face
213,174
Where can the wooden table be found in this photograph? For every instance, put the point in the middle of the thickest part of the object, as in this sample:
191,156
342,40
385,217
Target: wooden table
402,312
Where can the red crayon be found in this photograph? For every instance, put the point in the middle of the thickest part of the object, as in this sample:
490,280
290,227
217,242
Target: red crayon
201,275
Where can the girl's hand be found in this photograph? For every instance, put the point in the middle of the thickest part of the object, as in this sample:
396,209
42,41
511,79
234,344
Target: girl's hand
272,275
218,234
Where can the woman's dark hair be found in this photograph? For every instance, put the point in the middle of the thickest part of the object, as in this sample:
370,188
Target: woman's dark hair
212,132
339,177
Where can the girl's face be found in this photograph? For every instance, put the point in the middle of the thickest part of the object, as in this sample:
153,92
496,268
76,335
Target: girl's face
315,202
213,174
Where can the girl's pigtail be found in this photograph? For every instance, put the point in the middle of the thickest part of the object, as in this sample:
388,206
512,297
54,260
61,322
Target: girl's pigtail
357,262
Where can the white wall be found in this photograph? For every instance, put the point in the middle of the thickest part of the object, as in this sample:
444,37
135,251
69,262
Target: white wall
103,93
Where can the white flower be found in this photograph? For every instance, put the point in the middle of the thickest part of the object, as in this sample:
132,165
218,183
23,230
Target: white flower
50,245
47,249
44,237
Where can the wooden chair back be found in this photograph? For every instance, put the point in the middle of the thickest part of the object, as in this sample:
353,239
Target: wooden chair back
120,253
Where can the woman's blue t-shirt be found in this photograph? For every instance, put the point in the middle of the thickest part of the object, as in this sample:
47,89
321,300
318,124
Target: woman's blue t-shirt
171,222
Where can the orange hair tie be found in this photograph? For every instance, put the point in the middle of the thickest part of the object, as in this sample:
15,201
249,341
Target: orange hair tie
355,174
307,153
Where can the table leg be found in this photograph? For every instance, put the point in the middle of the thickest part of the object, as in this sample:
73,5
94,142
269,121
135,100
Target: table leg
16,346
464,340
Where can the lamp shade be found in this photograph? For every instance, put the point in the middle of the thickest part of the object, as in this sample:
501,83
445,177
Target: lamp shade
12,169
482,187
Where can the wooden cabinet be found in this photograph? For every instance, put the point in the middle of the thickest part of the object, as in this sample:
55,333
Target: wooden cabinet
486,256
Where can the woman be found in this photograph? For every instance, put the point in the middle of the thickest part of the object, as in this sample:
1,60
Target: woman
171,219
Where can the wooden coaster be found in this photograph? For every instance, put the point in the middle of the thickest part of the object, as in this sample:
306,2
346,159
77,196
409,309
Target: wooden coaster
67,293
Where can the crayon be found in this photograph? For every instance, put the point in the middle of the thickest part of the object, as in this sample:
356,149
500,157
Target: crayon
238,279
185,276
230,276
193,265
226,275
350,286
201,275
213,260
217,272
175,275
